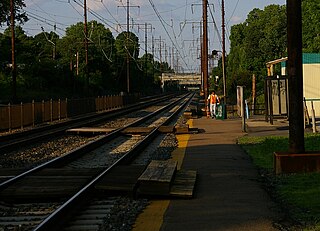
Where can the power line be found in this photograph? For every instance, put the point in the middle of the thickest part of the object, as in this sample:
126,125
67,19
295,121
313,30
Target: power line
52,21
44,21
215,26
161,21
233,12
54,15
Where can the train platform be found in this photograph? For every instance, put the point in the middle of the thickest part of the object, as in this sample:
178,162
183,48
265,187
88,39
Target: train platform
228,194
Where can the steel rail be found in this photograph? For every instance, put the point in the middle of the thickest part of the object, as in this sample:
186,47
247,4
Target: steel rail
74,154
12,141
58,218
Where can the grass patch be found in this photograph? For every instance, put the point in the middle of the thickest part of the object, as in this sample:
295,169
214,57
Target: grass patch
298,193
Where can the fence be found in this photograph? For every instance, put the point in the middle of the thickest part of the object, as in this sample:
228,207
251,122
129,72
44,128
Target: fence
259,109
14,116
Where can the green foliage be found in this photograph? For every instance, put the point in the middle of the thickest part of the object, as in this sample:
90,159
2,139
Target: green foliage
262,148
261,38
299,193
311,26
5,11
127,42
53,67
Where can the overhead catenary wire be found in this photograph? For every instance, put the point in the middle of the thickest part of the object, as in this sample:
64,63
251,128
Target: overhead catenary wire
215,26
162,23
103,16
43,18
46,22
226,28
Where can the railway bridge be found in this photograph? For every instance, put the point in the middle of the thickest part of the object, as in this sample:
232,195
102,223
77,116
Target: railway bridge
190,81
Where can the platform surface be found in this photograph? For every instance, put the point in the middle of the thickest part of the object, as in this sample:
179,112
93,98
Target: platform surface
228,195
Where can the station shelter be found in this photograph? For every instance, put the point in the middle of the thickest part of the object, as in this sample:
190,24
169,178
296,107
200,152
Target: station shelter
276,87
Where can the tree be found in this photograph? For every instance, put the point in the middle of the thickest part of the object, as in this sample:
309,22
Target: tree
261,38
127,43
101,53
5,11
311,26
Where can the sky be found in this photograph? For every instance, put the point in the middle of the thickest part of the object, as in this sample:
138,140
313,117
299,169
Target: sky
172,25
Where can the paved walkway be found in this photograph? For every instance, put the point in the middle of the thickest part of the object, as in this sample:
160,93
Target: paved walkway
228,193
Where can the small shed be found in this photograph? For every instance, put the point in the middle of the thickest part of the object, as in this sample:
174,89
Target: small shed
311,79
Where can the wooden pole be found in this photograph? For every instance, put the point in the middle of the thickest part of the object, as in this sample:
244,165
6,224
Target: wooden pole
295,75
224,55
86,45
314,125
127,45
205,49
13,59
253,93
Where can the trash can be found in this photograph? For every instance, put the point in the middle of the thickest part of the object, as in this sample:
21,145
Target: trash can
221,111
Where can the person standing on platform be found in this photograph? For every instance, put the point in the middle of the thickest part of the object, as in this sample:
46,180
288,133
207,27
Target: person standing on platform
213,100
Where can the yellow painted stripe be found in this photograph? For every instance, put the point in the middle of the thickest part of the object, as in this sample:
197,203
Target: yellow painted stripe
151,218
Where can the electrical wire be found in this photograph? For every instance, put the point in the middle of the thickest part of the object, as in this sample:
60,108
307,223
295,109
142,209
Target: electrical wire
52,21
233,12
46,22
162,23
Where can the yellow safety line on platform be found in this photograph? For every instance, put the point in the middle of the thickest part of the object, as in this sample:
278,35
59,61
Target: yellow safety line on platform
152,217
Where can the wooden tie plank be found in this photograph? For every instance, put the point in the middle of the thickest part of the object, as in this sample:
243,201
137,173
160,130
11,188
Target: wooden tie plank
181,129
121,178
8,173
137,130
11,171
50,183
67,172
157,178
166,129
92,130
183,184
159,170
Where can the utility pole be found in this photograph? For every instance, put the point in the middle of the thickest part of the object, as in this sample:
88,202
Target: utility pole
146,28
295,76
86,44
160,51
128,58
202,60
127,45
224,54
50,41
205,49
146,49
203,40
199,49
172,57
13,58
152,50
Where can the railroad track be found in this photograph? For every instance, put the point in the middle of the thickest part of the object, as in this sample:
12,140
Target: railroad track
20,139
43,149
69,181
